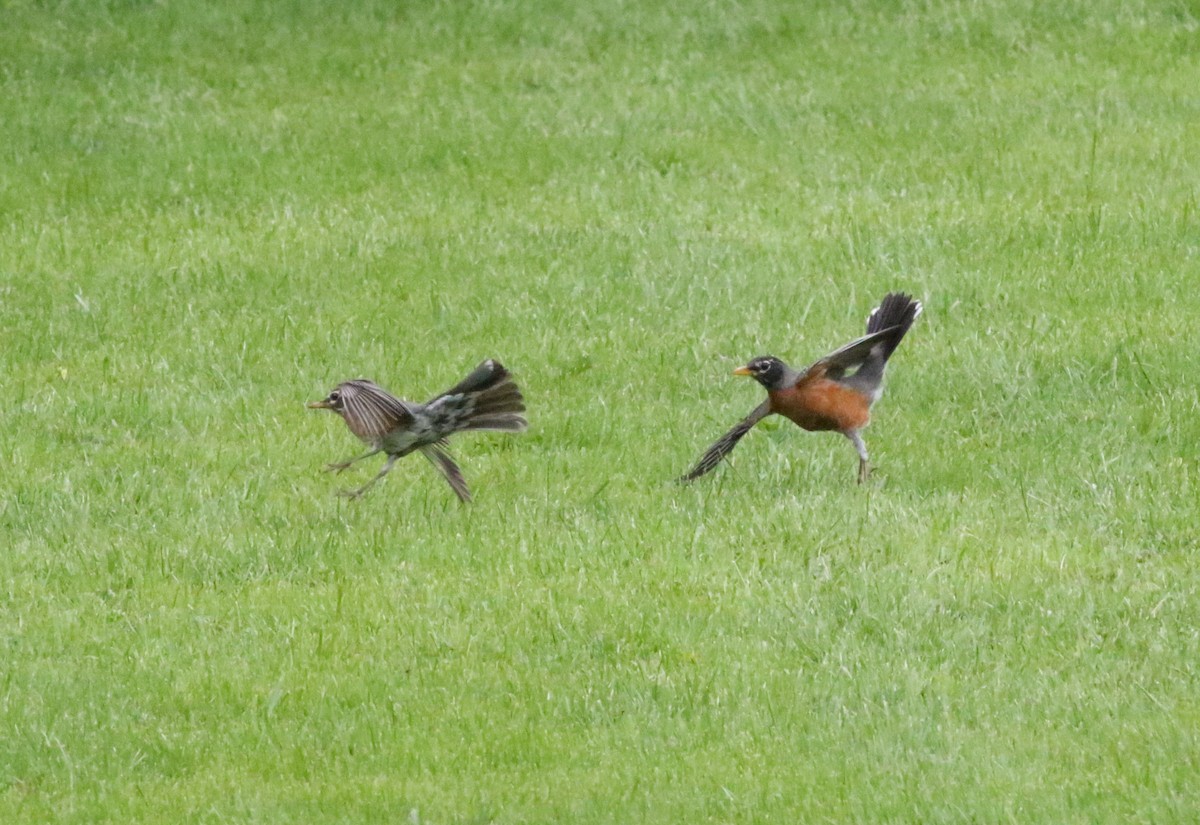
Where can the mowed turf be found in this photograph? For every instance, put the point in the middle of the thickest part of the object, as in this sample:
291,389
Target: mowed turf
212,213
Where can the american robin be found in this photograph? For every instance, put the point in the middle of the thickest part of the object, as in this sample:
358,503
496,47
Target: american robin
487,399
823,396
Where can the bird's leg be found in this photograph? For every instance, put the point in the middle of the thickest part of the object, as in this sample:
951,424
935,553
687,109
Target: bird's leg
864,469
338,466
386,469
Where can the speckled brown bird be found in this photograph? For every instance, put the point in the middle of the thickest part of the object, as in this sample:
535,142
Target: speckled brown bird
487,399
823,396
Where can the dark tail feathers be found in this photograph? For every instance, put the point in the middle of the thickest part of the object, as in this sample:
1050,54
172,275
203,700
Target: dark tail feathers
895,310
491,399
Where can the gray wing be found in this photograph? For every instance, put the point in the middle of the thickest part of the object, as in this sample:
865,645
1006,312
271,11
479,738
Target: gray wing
852,355
446,466
372,412
725,444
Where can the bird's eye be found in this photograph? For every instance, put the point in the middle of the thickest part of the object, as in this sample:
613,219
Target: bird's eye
335,396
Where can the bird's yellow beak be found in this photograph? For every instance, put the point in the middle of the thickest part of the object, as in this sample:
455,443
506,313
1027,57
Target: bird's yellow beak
743,371
318,405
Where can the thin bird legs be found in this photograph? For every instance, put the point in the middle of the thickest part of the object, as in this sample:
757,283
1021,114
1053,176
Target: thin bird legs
338,466
864,469
391,460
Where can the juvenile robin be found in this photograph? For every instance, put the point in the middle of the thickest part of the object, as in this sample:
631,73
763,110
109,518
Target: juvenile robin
487,399
825,395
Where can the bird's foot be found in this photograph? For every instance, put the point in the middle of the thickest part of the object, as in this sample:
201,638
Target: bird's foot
864,472
337,466
352,494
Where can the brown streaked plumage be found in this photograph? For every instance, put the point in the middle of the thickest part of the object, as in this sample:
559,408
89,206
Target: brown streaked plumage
823,396
487,399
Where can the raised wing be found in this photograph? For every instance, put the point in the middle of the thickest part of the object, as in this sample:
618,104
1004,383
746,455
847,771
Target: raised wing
370,411
725,444
835,364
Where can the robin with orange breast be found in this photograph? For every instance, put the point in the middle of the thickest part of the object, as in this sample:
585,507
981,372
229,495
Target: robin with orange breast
825,395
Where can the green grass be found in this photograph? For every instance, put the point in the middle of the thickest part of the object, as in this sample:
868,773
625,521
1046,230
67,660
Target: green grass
211,213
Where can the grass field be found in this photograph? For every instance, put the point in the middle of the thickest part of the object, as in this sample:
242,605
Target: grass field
212,213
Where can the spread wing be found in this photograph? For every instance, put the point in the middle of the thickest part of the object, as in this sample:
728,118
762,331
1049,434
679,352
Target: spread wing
446,466
370,411
835,364
725,444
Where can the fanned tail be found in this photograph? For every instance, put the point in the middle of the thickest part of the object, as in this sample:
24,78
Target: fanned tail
897,309
487,399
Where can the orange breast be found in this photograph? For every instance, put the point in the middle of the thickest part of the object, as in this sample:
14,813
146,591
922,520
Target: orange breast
822,404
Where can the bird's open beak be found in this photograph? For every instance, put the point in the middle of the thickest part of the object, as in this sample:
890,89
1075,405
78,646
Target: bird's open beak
318,405
743,371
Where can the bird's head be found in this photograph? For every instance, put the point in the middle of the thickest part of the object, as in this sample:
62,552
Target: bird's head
333,401
766,370
368,410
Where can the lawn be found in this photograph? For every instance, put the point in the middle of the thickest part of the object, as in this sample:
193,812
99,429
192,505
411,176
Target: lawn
211,213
